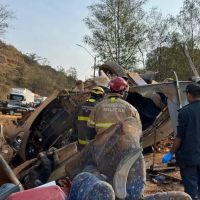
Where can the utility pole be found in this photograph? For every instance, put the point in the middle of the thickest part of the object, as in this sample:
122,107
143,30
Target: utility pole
94,57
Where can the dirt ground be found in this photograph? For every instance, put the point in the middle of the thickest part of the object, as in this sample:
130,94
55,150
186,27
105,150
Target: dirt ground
153,186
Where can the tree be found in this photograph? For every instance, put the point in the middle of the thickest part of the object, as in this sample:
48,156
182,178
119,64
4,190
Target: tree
5,15
71,72
116,30
68,77
158,29
187,23
181,44
187,30
172,60
157,34
33,58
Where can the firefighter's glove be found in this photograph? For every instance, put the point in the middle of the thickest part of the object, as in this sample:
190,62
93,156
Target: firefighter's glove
167,158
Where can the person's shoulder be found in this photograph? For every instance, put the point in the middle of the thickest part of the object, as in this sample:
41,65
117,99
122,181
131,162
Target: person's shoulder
189,106
99,103
185,109
123,101
193,107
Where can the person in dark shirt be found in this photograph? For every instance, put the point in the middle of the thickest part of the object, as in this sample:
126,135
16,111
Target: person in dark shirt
187,142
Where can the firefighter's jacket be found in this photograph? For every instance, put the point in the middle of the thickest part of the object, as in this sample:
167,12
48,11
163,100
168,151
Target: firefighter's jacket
83,132
110,111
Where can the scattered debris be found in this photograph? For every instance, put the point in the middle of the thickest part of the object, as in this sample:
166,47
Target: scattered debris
41,144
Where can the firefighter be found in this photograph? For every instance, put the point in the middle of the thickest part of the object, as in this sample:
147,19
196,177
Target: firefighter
83,132
113,108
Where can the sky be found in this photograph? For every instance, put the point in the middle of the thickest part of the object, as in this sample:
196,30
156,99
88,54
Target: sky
51,29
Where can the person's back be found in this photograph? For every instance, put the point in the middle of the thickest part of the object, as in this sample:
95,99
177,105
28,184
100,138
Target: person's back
110,111
113,108
189,152
115,147
186,144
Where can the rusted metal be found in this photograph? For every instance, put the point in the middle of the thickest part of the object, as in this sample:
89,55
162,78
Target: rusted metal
62,154
69,100
47,125
5,149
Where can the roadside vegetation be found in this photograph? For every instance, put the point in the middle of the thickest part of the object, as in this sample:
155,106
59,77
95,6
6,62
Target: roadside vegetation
124,32
28,70
121,31
20,70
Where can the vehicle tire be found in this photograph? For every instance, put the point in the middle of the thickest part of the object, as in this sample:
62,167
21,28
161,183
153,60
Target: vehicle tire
113,68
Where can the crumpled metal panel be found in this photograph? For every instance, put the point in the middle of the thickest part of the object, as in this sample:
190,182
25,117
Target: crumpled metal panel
168,89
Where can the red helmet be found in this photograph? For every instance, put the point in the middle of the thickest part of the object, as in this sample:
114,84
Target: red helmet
118,84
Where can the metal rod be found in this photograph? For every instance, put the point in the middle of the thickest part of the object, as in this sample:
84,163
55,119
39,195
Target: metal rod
4,165
94,57
154,147
1,131
178,90
85,49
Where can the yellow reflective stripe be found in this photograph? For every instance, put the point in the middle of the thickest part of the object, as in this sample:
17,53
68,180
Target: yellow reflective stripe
103,125
100,125
91,100
82,118
113,99
83,142
91,122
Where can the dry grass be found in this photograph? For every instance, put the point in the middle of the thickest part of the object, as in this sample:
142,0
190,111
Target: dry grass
18,70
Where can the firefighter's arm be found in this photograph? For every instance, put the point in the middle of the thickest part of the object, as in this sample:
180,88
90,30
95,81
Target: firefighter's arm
134,113
91,124
91,119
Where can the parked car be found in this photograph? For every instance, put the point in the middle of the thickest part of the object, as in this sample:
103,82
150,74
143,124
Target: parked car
13,106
